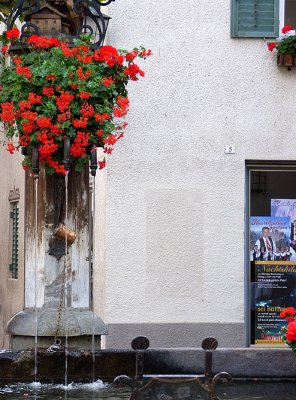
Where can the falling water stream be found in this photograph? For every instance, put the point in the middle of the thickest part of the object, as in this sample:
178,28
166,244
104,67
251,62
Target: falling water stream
93,263
67,275
35,294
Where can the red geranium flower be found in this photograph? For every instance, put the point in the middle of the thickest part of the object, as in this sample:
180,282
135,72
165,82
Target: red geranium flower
84,95
48,91
271,46
12,33
145,53
132,71
10,148
107,81
102,164
286,28
131,56
4,49
287,312
109,55
291,331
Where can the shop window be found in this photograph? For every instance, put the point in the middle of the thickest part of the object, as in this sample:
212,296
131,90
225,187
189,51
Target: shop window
271,258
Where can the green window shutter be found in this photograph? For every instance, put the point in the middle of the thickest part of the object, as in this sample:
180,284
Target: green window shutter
255,18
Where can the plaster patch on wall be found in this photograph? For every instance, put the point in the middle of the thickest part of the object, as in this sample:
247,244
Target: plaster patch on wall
174,244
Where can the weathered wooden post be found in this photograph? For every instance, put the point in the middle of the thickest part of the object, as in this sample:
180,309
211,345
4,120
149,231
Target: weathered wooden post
58,314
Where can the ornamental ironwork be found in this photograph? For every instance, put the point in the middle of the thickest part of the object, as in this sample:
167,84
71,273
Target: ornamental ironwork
59,18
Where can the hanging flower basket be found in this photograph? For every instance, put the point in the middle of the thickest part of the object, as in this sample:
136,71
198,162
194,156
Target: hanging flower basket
54,92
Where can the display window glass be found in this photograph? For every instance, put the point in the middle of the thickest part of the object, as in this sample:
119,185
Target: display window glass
271,258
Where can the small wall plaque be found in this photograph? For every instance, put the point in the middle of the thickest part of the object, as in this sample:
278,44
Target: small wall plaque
14,195
229,150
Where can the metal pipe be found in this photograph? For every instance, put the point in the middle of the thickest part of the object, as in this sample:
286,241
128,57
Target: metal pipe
66,157
93,161
35,162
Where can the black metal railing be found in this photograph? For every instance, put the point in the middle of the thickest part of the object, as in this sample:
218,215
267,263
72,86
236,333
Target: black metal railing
172,386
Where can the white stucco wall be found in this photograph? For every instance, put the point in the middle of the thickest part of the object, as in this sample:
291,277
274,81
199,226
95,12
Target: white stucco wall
11,290
175,202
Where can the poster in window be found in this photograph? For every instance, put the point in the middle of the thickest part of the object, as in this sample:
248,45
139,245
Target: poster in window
274,290
283,208
270,239
286,208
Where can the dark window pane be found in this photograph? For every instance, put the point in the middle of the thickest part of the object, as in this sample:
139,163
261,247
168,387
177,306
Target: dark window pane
290,13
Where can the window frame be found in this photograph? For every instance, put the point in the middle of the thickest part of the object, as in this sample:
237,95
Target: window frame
254,166
282,4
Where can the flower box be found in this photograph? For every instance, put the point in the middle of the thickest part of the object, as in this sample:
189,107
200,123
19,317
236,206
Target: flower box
286,60
286,48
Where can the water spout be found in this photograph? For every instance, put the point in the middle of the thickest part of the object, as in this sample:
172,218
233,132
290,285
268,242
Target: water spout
35,162
66,157
93,161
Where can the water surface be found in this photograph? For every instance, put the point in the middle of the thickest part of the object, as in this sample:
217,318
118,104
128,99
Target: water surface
99,390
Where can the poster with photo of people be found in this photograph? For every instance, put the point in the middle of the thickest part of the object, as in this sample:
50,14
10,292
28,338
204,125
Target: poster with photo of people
270,239
286,208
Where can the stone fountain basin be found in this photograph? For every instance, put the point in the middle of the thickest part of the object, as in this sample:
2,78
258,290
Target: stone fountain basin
240,363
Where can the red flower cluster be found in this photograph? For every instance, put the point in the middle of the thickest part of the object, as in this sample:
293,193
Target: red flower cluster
109,55
7,114
44,122
43,41
24,71
145,53
80,123
64,100
286,29
102,118
132,55
10,148
78,148
81,76
34,98
271,46
107,81
87,111
288,313
12,33
122,107
291,331
81,97
102,164
133,70
84,95
48,91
